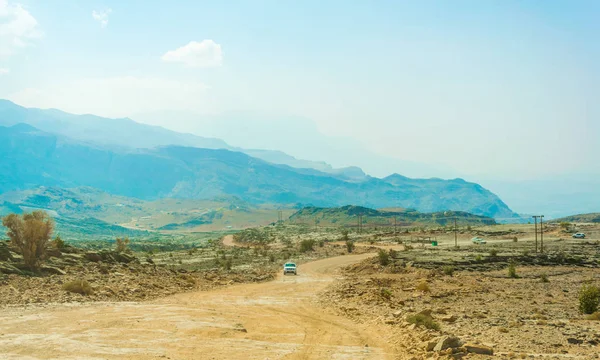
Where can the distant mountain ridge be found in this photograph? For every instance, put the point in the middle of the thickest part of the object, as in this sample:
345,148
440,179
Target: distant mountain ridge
33,158
348,215
133,135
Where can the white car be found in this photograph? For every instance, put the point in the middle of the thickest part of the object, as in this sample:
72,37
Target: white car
478,240
289,268
579,236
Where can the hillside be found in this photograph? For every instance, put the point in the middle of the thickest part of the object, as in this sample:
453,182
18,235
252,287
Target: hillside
348,216
581,218
34,158
107,214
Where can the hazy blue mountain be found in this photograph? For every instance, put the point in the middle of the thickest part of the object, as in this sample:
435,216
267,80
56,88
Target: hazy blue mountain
127,133
101,131
32,158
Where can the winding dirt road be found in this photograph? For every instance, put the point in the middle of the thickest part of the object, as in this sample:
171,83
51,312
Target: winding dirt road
274,320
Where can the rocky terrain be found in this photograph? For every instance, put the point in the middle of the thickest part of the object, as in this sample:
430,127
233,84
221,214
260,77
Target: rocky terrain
464,302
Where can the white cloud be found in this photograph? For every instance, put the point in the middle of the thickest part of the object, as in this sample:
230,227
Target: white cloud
4,71
206,53
101,16
117,96
17,28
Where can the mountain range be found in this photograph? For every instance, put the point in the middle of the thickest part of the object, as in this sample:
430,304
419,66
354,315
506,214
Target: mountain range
122,157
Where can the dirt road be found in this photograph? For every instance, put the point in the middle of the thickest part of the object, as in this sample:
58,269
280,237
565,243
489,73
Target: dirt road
275,320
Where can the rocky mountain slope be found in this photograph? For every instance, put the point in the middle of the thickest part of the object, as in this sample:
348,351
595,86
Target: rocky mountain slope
35,158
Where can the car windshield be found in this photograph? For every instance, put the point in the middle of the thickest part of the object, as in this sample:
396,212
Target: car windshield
290,265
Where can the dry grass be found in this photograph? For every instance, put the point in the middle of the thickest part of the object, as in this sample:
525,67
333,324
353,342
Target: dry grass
79,287
424,321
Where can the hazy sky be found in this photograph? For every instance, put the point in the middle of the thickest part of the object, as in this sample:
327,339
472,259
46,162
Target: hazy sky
499,89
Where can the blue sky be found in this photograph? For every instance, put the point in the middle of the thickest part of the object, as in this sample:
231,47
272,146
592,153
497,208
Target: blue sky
478,87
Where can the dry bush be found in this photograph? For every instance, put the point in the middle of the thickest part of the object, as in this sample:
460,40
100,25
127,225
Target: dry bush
350,246
384,257
122,245
448,270
423,286
79,287
424,321
544,278
512,270
58,243
589,299
30,233
385,293
307,245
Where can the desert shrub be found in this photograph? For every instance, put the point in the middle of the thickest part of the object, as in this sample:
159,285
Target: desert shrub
79,287
512,270
345,235
424,321
565,225
544,278
58,243
393,254
30,233
595,316
448,270
385,293
227,264
525,253
350,246
307,245
408,247
515,239
589,299
423,286
371,241
287,242
272,258
384,257
478,258
122,245
493,253
321,243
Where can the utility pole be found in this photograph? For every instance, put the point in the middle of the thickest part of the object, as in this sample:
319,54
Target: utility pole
542,234
455,235
535,222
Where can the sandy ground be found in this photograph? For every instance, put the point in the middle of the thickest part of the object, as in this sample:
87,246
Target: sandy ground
274,320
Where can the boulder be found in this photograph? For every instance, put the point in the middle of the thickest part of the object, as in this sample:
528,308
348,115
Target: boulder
447,342
479,349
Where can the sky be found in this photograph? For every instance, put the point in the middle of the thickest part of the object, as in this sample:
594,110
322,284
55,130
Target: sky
486,90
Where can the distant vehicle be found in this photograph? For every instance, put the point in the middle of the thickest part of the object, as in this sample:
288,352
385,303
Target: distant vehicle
289,268
478,240
579,236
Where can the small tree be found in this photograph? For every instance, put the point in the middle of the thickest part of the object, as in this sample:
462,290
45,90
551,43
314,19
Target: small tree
345,235
30,233
307,245
589,299
512,269
58,242
384,257
350,246
122,245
